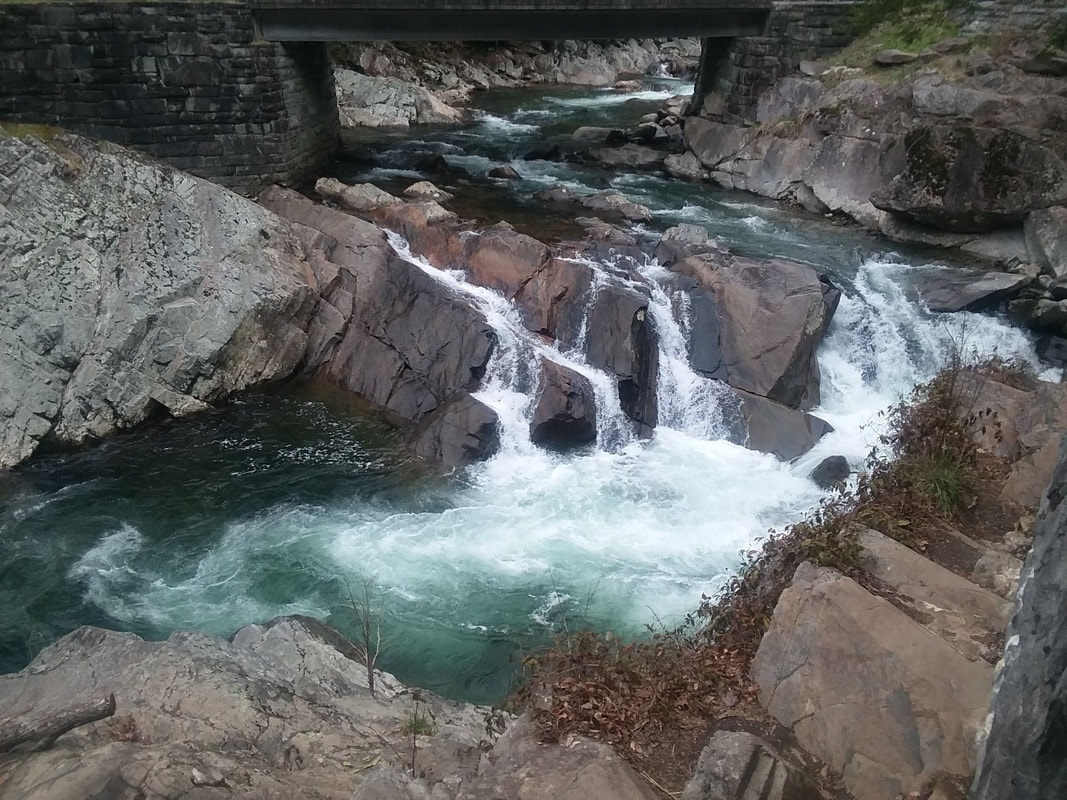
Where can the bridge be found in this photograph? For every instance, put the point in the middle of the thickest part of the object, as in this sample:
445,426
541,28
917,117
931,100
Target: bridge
241,91
501,20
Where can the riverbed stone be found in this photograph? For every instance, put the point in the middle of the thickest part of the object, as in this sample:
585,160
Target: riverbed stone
878,697
892,58
565,413
683,241
424,190
948,289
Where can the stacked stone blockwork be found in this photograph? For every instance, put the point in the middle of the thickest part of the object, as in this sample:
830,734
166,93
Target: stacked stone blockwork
187,82
740,69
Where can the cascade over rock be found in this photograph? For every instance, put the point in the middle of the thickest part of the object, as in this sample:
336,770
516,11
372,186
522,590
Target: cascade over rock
399,338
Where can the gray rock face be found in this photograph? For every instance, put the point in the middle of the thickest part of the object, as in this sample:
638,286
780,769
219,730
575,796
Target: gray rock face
565,415
968,290
1046,239
384,329
771,317
131,290
376,102
969,179
878,697
280,711
1023,756
683,241
831,471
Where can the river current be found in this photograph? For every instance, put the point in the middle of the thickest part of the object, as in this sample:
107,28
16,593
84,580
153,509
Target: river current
288,499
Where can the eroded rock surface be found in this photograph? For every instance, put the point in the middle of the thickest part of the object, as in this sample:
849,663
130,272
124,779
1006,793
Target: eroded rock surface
1023,756
278,712
877,696
133,290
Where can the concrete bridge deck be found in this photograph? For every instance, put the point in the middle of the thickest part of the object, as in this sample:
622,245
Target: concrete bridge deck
491,20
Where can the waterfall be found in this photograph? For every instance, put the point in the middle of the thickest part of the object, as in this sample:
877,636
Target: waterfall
511,379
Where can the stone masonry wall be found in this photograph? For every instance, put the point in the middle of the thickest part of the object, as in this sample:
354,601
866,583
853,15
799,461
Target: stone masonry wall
795,32
187,82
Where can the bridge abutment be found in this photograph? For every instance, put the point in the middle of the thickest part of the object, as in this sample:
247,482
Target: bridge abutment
735,72
187,82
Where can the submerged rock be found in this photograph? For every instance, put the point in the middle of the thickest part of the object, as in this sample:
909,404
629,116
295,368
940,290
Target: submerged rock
831,471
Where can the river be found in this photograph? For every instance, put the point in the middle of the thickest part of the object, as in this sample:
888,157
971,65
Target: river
289,499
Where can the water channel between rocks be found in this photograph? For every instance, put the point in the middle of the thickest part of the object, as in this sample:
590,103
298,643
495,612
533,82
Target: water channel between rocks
284,501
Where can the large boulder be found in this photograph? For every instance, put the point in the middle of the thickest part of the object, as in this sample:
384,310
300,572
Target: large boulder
621,338
361,198
685,240
565,414
771,317
1046,239
376,102
460,431
130,291
281,710
968,178
781,431
947,289
1023,755
553,299
385,328
880,698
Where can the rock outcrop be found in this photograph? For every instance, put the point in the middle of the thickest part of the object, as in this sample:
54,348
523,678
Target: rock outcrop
879,697
1023,756
958,153
133,291
280,710
364,101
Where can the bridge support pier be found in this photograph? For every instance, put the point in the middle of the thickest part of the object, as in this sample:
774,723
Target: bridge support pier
187,82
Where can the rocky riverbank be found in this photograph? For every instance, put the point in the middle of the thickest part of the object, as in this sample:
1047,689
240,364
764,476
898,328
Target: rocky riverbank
149,308
395,85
